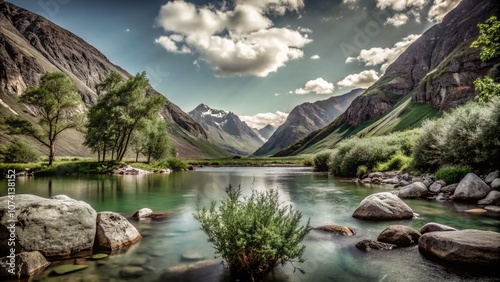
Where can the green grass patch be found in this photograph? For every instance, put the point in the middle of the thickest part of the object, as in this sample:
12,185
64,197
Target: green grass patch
452,174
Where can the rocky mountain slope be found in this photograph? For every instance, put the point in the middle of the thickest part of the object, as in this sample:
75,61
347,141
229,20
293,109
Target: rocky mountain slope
226,130
30,45
435,73
267,131
306,118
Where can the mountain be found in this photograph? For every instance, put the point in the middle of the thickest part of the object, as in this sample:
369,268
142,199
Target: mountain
434,74
267,131
226,130
30,45
306,118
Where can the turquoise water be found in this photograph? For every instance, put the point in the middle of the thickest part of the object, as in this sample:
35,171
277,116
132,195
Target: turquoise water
320,197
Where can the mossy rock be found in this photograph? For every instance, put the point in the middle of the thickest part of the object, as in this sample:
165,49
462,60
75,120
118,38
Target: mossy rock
67,268
99,256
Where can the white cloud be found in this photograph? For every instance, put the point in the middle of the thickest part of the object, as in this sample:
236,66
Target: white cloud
440,8
315,57
318,86
384,56
398,20
400,5
363,79
352,4
305,30
262,119
241,41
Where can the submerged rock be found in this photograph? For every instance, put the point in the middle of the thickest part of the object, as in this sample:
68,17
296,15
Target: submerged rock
367,245
114,232
337,230
471,189
472,247
131,272
26,264
399,235
383,206
433,227
492,208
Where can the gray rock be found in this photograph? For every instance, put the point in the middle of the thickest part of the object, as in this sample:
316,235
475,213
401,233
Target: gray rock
390,181
337,230
383,206
468,246
114,232
140,261
416,179
427,182
367,245
192,256
492,208
471,189
433,227
493,198
55,228
449,189
495,184
376,175
491,176
143,213
24,264
131,272
416,190
403,183
436,186
399,235
405,177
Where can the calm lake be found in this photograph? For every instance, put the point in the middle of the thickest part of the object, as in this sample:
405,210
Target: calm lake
320,197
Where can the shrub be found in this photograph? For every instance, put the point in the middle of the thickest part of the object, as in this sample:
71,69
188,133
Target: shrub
321,161
254,235
173,163
396,162
362,170
452,174
308,162
19,152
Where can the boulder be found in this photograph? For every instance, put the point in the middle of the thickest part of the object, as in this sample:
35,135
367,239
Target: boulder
383,206
114,232
390,181
433,227
399,235
337,230
24,264
55,227
403,183
492,208
471,189
367,245
143,213
449,189
470,247
493,198
416,190
495,184
491,176
436,186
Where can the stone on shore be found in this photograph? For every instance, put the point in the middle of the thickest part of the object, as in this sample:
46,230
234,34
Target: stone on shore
493,198
495,185
469,247
471,189
491,176
433,227
55,227
26,264
337,230
416,190
436,186
114,232
383,206
399,235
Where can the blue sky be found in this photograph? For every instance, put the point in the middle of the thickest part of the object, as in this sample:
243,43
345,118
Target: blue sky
256,58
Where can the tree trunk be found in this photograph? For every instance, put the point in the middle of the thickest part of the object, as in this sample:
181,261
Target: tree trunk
98,155
149,158
52,150
136,157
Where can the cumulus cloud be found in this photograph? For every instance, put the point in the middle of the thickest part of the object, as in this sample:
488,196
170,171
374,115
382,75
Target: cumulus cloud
315,57
363,79
262,119
241,41
440,8
400,5
318,86
383,56
398,20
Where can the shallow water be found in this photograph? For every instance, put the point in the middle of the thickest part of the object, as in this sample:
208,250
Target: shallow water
320,197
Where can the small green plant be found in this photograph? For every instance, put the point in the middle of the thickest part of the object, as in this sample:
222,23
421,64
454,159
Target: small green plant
362,170
173,163
308,162
255,234
321,161
19,152
396,162
452,174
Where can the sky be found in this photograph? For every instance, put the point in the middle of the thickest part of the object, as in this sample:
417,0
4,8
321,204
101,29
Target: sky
256,58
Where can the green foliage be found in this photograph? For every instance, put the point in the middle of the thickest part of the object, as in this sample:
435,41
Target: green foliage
487,89
452,174
397,162
151,139
489,39
362,170
468,136
369,151
255,234
321,160
56,99
19,152
308,162
172,163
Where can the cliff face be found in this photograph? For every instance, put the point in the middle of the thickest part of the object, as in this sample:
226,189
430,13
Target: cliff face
438,67
30,45
305,119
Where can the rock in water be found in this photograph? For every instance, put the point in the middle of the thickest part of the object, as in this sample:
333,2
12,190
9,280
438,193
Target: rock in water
399,235
337,230
433,227
383,206
471,189
415,190
493,198
143,213
114,232
26,264
367,245
472,247
55,227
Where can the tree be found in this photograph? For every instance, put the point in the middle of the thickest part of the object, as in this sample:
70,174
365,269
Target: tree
152,140
489,42
56,101
19,152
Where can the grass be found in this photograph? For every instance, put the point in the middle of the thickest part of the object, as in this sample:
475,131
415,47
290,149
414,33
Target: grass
249,161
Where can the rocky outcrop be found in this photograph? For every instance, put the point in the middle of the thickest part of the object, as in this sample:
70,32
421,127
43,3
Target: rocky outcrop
471,189
399,235
434,227
367,245
383,206
469,247
267,131
415,190
336,230
114,232
23,264
55,227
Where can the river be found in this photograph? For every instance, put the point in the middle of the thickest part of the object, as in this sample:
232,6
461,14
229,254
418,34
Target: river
320,197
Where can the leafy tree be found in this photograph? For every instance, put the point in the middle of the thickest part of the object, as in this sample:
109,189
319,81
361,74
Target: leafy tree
489,42
19,152
55,100
255,235
152,140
